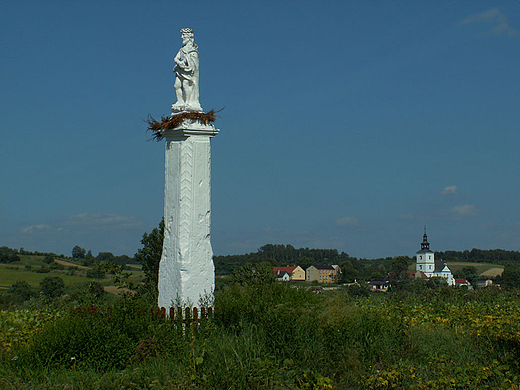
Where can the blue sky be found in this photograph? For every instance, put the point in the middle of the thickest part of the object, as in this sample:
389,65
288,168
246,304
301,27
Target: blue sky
347,124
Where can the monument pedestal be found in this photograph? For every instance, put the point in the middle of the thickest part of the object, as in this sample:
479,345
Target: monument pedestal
186,270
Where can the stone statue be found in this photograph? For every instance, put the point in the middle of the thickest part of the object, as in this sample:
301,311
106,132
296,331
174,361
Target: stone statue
186,70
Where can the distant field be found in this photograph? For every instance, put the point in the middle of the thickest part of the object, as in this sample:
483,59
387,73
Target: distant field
9,275
483,269
24,270
492,272
69,264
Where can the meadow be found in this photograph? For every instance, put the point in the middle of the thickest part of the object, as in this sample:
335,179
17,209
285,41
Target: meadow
483,269
32,269
269,336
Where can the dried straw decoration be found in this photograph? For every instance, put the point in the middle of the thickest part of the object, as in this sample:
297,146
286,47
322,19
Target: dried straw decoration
171,122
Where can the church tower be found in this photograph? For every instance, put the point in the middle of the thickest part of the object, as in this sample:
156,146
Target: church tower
425,258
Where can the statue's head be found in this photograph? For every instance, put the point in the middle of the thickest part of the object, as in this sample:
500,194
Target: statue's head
186,35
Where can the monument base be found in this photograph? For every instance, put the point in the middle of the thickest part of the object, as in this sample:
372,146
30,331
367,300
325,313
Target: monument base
186,270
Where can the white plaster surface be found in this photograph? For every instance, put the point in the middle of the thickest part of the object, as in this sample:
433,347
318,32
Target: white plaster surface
186,270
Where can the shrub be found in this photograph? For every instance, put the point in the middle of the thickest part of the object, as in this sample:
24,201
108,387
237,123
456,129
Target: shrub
95,273
9,258
355,290
21,289
48,259
52,286
98,338
96,289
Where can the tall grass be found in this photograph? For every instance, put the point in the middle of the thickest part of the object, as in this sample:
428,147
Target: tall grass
274,336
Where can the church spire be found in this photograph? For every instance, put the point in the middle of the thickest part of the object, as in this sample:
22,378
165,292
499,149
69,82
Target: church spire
425,244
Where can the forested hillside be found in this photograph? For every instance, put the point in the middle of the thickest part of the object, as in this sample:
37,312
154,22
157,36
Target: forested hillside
353,267
279,255
495,256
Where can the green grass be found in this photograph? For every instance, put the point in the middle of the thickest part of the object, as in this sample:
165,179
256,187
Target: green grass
9,275
31,260
481,267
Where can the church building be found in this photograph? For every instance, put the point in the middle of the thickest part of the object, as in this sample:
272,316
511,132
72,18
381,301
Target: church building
427,266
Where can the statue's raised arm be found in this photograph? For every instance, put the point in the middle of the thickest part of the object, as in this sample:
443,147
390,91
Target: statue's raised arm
186,70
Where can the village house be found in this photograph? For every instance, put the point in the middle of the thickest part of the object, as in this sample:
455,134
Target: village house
294,273
460,282
483,283
379,285
323,273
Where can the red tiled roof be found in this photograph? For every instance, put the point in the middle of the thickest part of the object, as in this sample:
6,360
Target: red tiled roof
281,270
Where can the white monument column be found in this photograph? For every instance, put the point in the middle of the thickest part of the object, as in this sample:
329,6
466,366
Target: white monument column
186,270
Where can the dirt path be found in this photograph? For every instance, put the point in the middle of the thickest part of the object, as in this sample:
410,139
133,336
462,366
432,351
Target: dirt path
67,264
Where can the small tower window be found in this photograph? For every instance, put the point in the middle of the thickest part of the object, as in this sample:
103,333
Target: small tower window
420,257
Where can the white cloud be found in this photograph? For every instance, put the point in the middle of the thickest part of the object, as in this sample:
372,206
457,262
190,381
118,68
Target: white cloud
494,16
85,222
99,232
100,221
347,221
450,190
36,228
465,210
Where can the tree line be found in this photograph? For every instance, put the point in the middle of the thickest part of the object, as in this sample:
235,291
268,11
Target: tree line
494,256
286,255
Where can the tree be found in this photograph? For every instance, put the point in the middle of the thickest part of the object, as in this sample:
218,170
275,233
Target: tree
105,256
52,286
5,258
21,289
399,267
48,259
511,276
348,272
254,274
150,256
78,252
305,262
469,273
